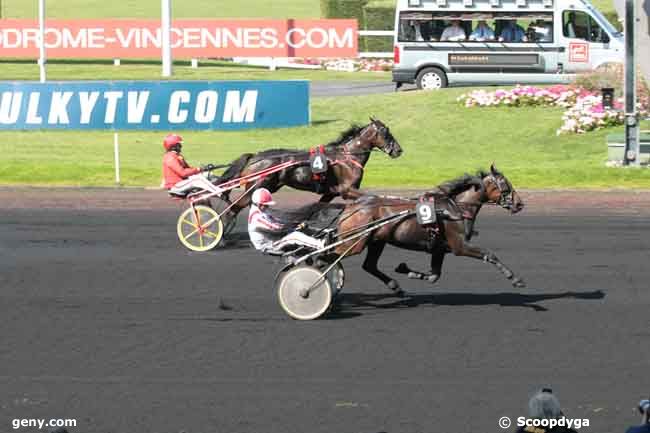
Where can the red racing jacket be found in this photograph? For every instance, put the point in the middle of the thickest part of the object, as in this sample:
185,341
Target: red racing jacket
175,169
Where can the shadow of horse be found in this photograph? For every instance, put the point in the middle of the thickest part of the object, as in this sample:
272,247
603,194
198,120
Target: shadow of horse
236,241
350,303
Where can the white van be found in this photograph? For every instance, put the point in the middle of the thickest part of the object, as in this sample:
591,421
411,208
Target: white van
443,42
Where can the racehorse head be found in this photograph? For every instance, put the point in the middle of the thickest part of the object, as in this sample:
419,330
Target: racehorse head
499,190
378,135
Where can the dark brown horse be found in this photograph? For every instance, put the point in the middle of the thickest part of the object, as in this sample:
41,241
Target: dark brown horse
346,158
458,203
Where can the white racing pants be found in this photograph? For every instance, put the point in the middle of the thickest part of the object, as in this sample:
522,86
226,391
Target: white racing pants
298,239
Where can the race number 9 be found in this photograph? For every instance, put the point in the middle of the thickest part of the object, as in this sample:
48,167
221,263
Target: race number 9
426,213
318,163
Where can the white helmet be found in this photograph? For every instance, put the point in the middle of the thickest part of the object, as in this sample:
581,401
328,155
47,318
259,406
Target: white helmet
262,197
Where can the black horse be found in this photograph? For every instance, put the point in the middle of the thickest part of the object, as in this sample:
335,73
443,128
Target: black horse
458,203
346,158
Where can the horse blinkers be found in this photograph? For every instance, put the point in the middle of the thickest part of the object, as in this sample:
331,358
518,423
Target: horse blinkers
390,147
506,192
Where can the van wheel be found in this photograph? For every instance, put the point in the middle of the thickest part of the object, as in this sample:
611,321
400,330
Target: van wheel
431,79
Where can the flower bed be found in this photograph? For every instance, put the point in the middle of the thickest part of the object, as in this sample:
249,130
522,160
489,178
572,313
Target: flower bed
349,65
584,108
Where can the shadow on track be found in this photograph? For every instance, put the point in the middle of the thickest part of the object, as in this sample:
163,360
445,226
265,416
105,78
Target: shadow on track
236,241
349,303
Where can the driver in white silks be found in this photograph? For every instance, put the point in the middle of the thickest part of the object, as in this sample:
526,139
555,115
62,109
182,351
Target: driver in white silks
270,235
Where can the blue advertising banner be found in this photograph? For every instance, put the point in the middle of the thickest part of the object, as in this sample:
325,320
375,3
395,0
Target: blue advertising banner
154,105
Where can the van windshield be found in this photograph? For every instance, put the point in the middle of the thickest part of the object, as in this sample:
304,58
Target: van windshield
600,18
508,27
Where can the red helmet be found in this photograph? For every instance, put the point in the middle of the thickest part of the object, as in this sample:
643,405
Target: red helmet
171,141
262,197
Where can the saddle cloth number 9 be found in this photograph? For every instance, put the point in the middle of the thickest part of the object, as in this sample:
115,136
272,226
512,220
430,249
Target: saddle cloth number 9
426,213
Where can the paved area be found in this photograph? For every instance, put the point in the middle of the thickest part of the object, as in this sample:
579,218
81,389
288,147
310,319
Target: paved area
106,319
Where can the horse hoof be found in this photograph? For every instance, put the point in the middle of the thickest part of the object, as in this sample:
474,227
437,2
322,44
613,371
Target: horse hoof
432,278
393,285
402,268
414,275
518,283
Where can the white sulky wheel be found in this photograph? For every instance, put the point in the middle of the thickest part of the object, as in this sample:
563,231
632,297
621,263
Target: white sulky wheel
295,302
336,277
200,228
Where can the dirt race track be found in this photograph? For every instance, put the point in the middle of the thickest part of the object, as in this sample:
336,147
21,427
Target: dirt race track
108,320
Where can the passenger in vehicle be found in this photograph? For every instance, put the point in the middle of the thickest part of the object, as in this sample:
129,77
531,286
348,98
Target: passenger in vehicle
482,32
454,32
426,29
512,32
540,31
417,30
570,26
437,28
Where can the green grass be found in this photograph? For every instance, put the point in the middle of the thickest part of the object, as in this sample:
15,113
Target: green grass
441,140
150,70
151,9
604,6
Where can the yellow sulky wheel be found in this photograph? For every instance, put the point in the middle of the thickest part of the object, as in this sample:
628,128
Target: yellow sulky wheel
199,228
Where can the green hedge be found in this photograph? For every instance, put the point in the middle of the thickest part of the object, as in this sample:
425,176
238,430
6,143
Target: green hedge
612,17
343,9
378,16
370,15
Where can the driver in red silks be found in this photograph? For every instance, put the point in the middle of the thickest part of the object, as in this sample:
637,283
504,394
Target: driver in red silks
175,168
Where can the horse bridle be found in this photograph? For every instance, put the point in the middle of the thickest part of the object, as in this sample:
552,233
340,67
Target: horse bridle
505,199
384,132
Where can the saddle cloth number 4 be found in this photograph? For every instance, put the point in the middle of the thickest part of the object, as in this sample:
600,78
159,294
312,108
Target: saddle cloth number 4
318,163
426,213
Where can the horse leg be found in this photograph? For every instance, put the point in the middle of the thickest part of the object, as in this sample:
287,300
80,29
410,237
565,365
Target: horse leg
469,230
351,194
326,198
375,248
437,258
460,248
241,202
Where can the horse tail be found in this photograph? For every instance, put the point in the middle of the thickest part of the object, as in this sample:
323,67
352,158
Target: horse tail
235,168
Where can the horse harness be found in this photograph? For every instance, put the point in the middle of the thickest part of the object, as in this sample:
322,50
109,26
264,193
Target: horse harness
319,163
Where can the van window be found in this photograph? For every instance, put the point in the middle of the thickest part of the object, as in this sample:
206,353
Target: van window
580,25
475,27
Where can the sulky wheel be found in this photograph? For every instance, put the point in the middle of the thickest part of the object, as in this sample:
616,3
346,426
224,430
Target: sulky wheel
199,228
292,293
336,277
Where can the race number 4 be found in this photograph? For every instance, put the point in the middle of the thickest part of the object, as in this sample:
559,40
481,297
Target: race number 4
426,213
318,163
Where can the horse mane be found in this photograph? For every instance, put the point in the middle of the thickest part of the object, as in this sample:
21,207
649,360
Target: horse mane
270,153
461,184
343,138
346,135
